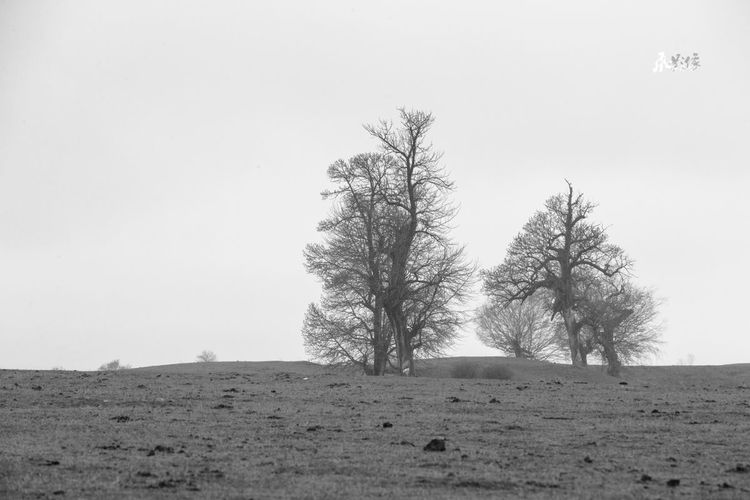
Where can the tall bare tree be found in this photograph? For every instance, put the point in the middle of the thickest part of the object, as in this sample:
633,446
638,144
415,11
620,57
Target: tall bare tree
352,265
522,329
387,257
555,248
419,188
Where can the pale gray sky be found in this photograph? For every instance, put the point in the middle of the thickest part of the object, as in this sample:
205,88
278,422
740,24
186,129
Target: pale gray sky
161,162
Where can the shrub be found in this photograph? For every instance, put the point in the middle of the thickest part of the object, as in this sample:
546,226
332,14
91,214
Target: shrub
464,369
206,357
113,365
497,372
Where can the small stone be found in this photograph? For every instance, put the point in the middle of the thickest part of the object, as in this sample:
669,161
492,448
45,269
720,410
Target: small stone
387,425
645,478
435,445
588,459
673,482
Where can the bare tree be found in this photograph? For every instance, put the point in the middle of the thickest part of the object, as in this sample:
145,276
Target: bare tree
419,188
619,321
391,277
349,325
206,357
522,329
623,321
113,366
556,246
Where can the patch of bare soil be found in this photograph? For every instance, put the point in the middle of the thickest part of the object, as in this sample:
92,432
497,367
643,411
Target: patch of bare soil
245,430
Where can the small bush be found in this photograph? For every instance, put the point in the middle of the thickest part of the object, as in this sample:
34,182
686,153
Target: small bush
113,365
464,369
206,357
497,372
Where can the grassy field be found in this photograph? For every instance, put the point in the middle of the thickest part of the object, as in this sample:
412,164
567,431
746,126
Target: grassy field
298,430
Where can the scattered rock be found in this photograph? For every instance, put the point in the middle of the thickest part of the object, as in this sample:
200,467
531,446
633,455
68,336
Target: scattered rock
120,418
140,386
522,387
645,478
726,486
493,400
623,383
588,459
58,492
407,443
47,463
222,406
742,468
160,449
314,428
113,446
655,411
435,445
454,399
387,425
167,483
144,473
542,485
231,389
673,483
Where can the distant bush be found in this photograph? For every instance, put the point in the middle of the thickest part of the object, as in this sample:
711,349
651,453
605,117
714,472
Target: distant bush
465,369
470,369
206,357
497,372
113,365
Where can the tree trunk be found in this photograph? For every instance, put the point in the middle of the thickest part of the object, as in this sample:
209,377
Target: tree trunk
380,359
572,328
381,343
582,352
613,361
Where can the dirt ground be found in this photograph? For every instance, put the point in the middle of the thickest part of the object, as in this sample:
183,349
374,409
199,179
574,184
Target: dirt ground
297,430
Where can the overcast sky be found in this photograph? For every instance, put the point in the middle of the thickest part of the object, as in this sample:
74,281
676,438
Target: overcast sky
161,162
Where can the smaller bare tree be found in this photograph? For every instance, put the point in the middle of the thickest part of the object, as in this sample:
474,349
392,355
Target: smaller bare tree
113,365
206,357
523,329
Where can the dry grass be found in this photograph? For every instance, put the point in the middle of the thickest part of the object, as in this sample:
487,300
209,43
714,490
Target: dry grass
297,430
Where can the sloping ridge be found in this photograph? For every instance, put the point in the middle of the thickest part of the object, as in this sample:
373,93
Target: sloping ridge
301,367
513,368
